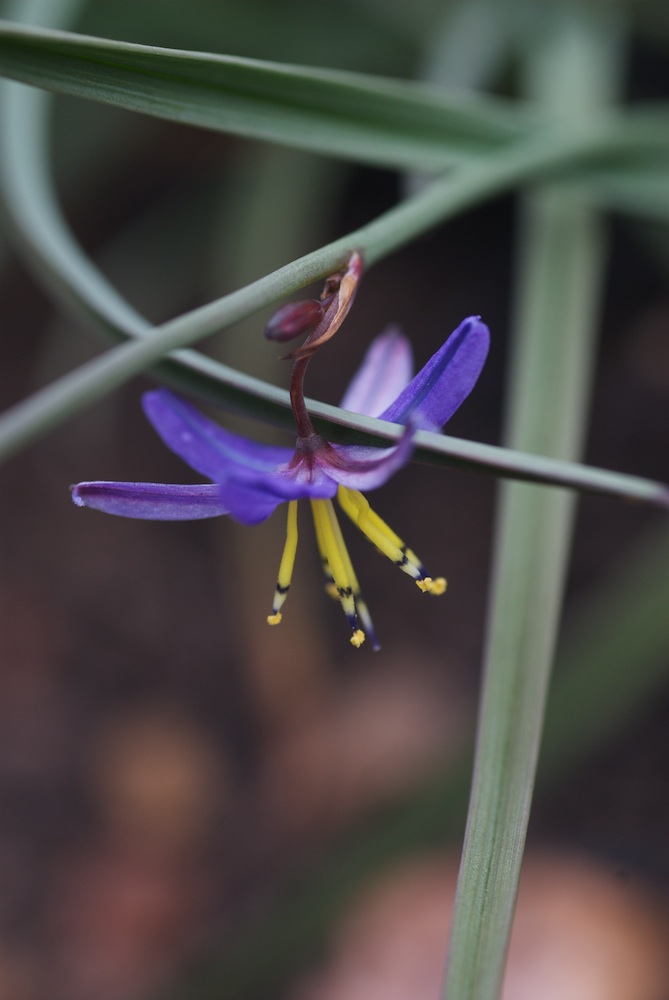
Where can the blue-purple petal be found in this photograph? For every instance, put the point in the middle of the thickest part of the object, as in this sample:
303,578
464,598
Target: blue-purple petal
252,496
439,388
151,501
246,502
385,371
203,444
364,468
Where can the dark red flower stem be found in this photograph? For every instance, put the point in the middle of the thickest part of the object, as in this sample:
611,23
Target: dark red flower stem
336,298
305,428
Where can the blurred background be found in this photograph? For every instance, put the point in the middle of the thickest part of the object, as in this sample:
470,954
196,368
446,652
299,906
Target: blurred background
194,805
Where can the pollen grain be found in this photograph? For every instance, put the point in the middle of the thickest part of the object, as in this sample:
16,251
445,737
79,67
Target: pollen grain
429,586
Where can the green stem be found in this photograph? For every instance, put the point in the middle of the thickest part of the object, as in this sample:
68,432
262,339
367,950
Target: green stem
560,282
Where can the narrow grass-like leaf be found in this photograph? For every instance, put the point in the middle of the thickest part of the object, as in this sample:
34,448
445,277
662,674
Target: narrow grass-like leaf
617,643
559,288
364,118
367,119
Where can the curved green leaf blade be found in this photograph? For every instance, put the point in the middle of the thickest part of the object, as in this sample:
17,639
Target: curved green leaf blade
362,118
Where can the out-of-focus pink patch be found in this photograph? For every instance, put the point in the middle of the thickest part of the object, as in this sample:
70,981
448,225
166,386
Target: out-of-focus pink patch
581,933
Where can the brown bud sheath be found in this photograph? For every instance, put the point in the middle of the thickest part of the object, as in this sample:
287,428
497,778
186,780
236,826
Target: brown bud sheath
294,319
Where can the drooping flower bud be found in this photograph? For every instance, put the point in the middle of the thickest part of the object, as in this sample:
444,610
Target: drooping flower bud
294,319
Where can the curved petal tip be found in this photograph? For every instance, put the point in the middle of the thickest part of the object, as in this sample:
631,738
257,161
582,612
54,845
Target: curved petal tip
443,384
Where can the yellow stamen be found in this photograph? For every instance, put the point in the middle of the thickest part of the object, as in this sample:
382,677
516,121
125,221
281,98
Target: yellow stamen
356,506
327,528
286,565
330,587
360,606
339,569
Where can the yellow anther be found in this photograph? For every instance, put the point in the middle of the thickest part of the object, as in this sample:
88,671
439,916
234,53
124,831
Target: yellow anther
358,638
331,590
430,586
274,619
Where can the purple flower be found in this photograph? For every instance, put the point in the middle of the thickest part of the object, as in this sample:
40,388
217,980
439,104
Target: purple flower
249,480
